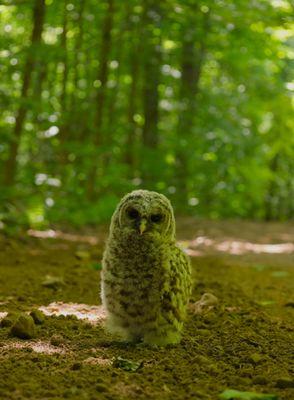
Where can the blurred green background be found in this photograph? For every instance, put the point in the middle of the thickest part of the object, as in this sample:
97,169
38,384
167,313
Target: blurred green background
190,98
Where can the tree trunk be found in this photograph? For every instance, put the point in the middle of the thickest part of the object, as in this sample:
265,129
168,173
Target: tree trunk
101,92
77,51
11,163
271,194
151,79
63,129
132,106
191,66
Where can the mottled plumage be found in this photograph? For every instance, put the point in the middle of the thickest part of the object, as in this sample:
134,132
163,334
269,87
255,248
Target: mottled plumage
146,277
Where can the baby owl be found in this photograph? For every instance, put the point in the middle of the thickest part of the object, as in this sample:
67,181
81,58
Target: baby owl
146,277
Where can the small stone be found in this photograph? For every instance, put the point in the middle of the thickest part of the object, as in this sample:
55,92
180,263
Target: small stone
255,358
100,387
56,340
82,255
76,366
247,372
285,382
240,381
289,304
204,332
52,282
24,327
202,360
209,299
38,316
9,320
207,302
259,380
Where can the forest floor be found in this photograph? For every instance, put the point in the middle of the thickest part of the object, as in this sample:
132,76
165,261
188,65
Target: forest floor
243,342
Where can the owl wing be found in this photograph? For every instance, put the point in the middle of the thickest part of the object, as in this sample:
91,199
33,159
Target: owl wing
177,288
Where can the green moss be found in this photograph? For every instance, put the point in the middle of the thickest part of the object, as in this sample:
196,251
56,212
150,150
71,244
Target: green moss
9,320
38,316
57,340
285,382
212,356
24,327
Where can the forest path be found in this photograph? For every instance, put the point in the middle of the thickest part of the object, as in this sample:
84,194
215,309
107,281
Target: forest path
243,343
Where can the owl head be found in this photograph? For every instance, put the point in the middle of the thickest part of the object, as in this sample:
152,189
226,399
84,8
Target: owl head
145,214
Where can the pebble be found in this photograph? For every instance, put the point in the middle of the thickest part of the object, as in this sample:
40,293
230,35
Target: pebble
38,316
56,340
260,380
285,382
9,320
24,327
255,358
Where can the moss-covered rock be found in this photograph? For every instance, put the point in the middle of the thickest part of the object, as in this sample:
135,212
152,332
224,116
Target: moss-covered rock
9,320
285,382
255,358
24,327
38,316
57,340
260,380
53,282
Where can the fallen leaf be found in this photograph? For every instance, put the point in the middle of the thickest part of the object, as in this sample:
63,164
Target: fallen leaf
207,302
126,365
266,302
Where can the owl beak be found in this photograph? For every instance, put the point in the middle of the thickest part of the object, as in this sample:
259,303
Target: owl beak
142,226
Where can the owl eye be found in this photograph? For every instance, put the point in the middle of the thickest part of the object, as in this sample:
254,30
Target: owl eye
156,217
133,213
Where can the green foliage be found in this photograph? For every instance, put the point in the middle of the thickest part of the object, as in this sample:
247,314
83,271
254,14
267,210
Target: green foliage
126,365
193,99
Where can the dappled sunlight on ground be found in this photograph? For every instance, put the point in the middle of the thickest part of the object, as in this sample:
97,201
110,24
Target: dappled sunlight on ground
57,234
201,244
97,361
237,334
41,347
3,315
92,314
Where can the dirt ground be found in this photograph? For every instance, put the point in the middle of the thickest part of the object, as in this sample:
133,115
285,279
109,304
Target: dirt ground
244,342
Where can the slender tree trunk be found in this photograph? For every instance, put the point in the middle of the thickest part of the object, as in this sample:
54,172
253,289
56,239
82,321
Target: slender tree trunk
193,52
78,48
151,78
270,205
111,117
132,106
135,32
101,92
11,163
63,129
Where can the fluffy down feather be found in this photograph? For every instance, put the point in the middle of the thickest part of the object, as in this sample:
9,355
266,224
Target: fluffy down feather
146,278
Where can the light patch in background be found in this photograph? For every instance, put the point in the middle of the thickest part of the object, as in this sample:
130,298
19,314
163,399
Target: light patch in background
92,314
56,234
40,347
232,246
3,314
52,131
